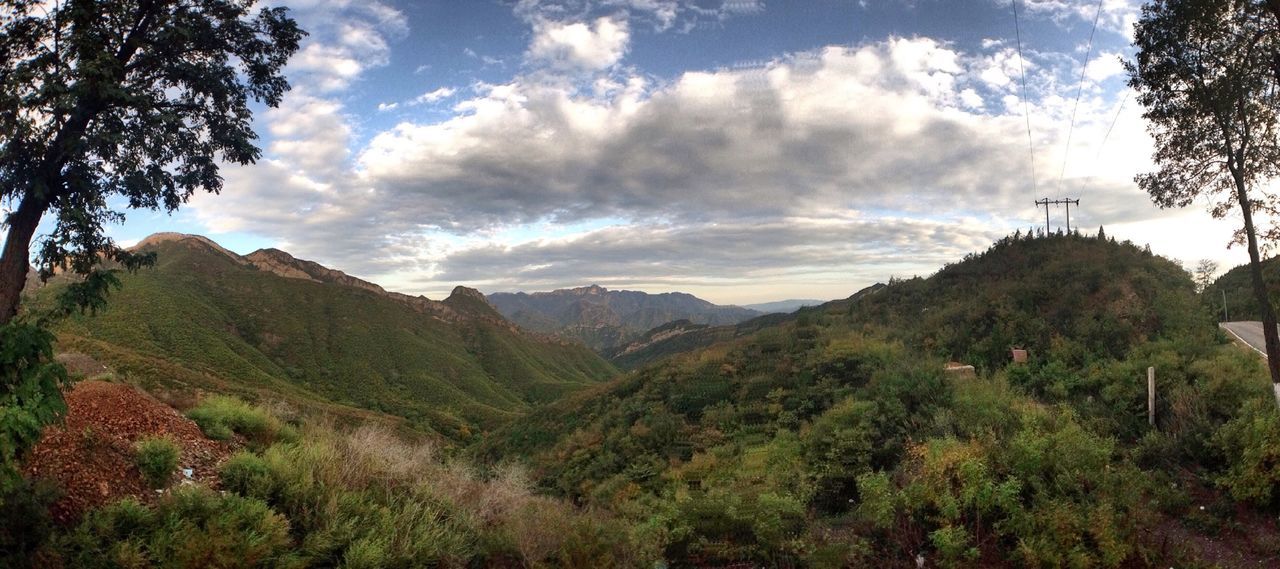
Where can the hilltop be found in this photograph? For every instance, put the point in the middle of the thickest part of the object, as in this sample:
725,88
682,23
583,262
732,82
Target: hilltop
1059,293
205,318
604,319
834,437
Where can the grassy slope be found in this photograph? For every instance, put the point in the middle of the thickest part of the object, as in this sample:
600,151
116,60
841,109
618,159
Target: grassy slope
200,319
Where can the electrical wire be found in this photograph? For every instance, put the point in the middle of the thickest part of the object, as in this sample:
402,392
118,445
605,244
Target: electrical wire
1066,152
1026,107
1101,145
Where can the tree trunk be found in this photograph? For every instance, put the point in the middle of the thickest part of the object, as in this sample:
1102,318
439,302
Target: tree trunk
1269,331
17,250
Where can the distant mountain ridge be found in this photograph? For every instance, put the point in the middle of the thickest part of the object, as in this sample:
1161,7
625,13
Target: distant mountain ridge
270,325
788,305
603,319
683,336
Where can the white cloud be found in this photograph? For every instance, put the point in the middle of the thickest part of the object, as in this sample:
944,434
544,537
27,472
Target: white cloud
579,45
347,38
434,96
1116,16
839,165
1104,66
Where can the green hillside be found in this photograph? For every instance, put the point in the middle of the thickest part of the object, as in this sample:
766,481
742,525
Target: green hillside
1237,285
1064,293
835,438
206,319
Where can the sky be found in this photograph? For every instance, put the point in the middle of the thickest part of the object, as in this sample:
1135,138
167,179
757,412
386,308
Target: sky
740,150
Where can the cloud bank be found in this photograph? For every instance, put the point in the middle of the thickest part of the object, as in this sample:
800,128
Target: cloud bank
840,165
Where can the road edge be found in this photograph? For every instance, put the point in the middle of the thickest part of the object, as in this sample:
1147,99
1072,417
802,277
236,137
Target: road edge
1241,340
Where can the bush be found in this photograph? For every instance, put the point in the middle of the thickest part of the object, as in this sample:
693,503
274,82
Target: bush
360,500
1251,443
157,458
220,416
247,474
1048,495
190,527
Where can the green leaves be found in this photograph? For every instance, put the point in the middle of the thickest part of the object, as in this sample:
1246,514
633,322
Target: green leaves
30,392
133,101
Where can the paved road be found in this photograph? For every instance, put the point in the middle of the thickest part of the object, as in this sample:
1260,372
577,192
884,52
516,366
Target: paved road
1248,332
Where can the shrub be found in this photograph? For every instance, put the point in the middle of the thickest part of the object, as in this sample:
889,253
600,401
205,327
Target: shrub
220,416
157,458
247,474
360,500
1251,443
1048,495
190,527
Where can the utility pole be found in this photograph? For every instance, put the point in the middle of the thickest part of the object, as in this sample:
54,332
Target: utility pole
1046,202
1224,305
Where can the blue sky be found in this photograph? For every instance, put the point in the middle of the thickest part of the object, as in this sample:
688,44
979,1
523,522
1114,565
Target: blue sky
741,150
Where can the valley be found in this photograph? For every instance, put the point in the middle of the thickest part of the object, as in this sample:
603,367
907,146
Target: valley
639,284
831,435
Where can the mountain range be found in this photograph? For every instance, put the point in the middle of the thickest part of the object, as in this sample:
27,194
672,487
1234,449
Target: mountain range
603,319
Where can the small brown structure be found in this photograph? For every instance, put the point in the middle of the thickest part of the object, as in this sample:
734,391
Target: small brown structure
1019,355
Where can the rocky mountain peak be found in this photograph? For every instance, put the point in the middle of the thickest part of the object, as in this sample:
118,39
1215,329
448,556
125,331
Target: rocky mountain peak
168,236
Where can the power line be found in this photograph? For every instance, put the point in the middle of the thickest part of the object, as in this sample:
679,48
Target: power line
1079,88
1119,109
1026,107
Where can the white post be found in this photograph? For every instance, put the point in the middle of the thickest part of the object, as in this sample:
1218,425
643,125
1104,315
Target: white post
1151,395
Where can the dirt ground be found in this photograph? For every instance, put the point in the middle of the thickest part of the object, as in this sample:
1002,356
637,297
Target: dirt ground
91,455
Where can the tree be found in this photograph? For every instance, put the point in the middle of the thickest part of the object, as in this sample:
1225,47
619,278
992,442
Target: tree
1203,274
103,104
123,101
1204,77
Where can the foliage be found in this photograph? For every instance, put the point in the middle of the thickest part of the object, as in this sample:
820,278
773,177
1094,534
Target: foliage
157,459
191,526
1234,288
31,380
220,417
823,440
1206,74
832,437
176,81
30,392
1251,443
